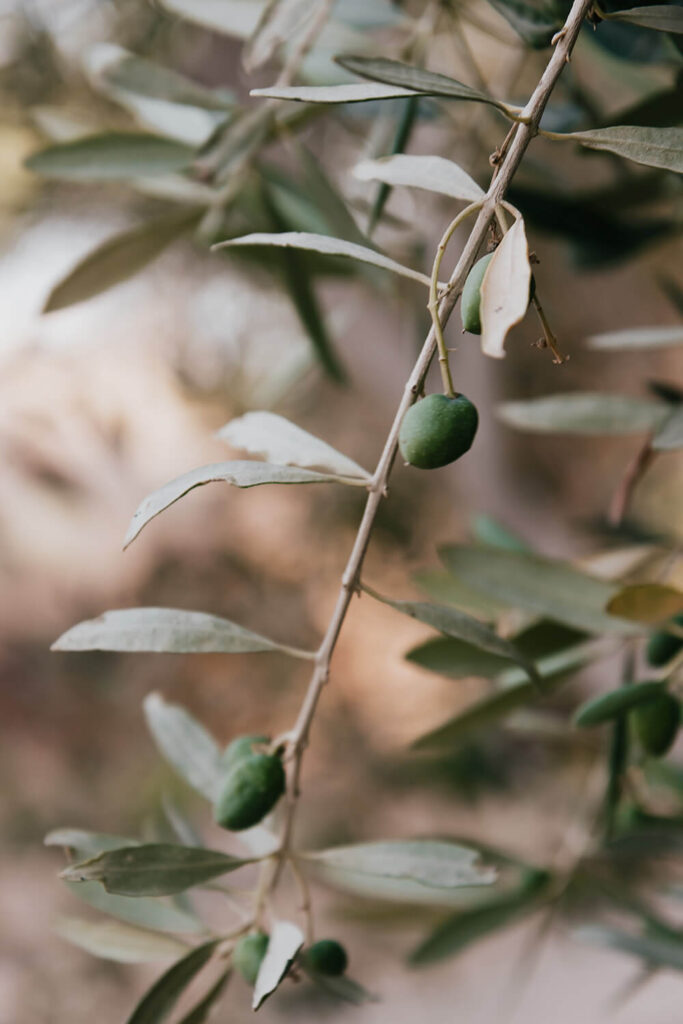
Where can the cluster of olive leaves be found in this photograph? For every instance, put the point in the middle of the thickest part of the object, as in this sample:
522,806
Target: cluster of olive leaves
569,617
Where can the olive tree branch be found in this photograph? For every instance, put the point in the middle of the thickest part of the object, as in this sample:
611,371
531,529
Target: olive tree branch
514,148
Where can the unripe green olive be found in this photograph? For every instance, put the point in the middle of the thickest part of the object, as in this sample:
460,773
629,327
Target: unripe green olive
663,646
327,957
656,723
470,301
248,955
242,747
250,790
437,430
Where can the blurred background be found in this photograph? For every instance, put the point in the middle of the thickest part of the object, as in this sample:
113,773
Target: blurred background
105,400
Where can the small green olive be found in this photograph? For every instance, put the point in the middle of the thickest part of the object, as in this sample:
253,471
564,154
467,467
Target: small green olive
437,430
326,957
663,646
241,747
248,955
656,723
470,301
250,791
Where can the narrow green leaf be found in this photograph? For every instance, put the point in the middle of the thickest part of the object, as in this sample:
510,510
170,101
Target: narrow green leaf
157,869
638,338
186,745
119,259
237,473
654,950
460,626
433,173
283,443
327,200
481,715
652,603
361,93
165,630
553,589
432,863
341,987
445,588
116,156
134,74
154,913
654,147
505,290
156,1005
669,437
239,18
114,940
200,1013
660,17
587,413
404,130
327,245
415,79
284,943
609,706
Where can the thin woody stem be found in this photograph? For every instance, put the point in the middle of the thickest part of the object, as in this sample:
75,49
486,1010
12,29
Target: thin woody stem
515,146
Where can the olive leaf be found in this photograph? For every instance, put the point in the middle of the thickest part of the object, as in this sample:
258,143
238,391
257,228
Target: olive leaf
609,706
118,259
327,245
356,93
654,147
535,24
654,949
284,943
156,869
116,156
114,940
585,412
661,17
431,863
433,173
239,18
670,434
125,70
157,1003
505,290
637,338
201,1011
186,745
166,630
652,603
285,444
237,473
341,987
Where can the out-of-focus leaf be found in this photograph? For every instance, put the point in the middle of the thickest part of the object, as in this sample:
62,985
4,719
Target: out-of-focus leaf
157,1003
653,603
364,92
671,288
285,444
493,914
327,245
670,434
432,863
135,74
460,626
156,869
415,79
505,290
237,18
585,412
284,943
655,950
638,337
489,531
443,587
404,130
279,23
341,987
535,24
200,1013
239,473
165,630
433,173
654,147
185,744
86,844
657,110
327,200
553,589
114,940
116,156
661,17
119,259
609,706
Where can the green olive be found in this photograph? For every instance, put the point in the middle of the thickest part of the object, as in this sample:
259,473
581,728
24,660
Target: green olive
656,724
242,747
248,955
663,646
326,957
470,301
250,791
437,430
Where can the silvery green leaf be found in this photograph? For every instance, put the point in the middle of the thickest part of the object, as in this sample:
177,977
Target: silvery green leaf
585,412
505,290
638,337
185,744
114,940
364,92
284,943
327,245
432,863
669,437
145,912
237,473
115,156
157,1003
433,173
660,17
283,443
238,18
165,630
658,950
125,70
654,147
156,869
86,844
